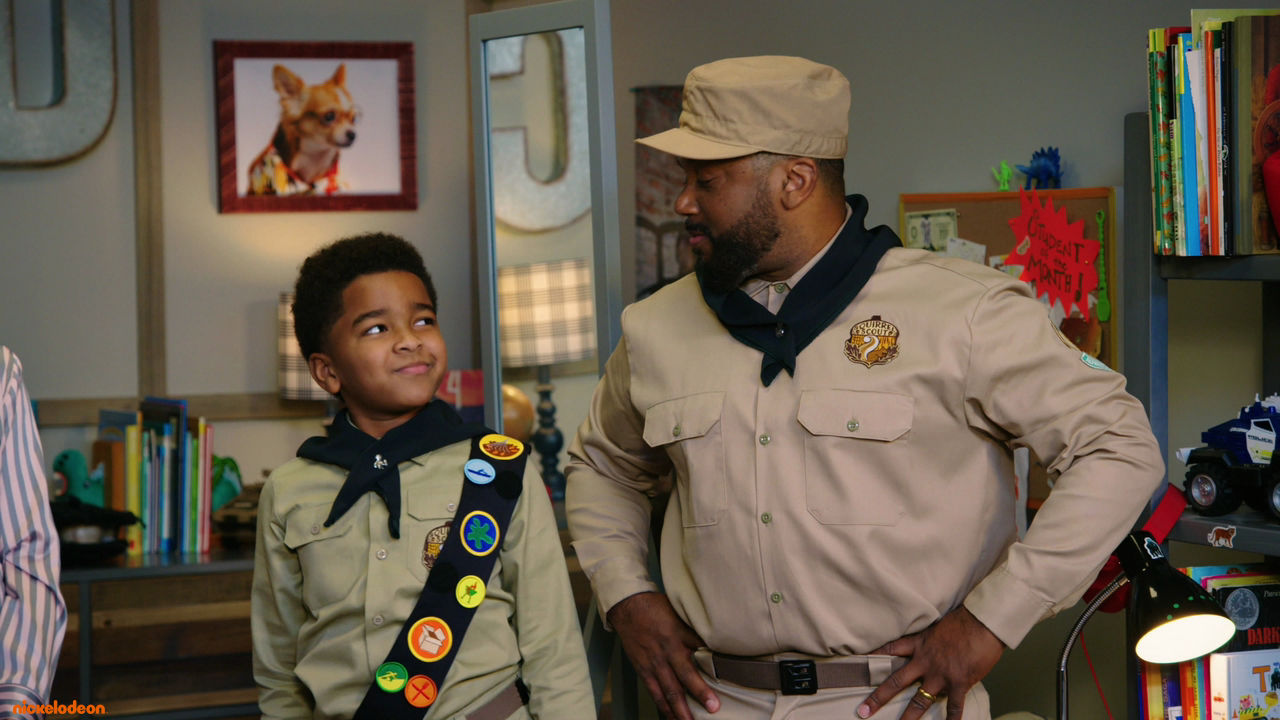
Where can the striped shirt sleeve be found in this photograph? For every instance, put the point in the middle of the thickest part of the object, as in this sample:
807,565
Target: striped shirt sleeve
33,616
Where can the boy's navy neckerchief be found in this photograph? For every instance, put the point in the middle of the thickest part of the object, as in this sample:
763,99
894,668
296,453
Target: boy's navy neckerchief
818,299
373,464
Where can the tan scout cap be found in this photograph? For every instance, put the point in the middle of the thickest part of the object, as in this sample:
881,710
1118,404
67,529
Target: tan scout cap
769,103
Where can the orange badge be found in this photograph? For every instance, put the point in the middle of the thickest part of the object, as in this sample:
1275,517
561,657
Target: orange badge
872,342
430,639
420,691
501,447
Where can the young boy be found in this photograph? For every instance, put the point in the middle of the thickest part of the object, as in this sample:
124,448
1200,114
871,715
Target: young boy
376,546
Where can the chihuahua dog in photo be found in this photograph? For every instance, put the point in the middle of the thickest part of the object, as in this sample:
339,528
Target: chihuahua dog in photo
316,123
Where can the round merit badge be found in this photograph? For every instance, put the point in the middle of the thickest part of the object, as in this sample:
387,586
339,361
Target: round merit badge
479,472
430,639
420,691
470,591
479,533
501,447
391,677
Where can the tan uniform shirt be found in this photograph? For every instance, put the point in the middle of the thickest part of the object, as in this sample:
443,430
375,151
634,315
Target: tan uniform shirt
329,602
855,503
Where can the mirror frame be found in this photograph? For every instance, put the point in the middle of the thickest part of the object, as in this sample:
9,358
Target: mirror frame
593,17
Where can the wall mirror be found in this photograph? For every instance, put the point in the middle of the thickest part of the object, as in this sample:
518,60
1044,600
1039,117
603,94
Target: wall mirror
547,216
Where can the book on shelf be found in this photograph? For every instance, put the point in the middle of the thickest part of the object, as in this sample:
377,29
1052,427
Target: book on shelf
1244,684
1214,104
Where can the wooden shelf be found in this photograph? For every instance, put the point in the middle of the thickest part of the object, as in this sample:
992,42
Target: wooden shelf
1241,267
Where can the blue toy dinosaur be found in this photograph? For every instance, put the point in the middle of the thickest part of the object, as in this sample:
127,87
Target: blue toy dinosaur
1043,169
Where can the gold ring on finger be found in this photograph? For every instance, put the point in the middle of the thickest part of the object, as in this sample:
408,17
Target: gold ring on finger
926,694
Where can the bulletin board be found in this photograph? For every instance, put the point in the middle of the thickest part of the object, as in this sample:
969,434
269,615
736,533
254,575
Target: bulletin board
983,220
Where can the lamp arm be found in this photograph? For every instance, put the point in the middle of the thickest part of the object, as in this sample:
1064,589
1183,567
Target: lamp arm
1089,610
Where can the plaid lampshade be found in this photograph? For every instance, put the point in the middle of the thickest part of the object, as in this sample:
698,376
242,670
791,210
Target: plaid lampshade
292,376
546,313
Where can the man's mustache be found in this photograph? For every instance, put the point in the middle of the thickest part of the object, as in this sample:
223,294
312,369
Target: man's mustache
696,229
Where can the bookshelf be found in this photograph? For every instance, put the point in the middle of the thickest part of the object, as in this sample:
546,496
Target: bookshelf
160,636
1144,343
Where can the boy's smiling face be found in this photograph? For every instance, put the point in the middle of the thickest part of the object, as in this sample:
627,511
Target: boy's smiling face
385,353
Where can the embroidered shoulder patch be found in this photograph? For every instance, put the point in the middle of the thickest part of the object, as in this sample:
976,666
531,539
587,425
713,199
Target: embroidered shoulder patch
1093,362
872,342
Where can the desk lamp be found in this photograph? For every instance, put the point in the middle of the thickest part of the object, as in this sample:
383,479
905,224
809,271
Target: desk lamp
1172,617
546,317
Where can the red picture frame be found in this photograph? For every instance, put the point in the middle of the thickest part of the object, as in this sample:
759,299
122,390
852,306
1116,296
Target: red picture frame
367,88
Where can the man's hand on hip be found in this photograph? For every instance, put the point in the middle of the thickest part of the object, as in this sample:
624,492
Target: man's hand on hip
947,658
661,647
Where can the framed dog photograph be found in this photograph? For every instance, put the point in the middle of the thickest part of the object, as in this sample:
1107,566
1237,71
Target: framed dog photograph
315,126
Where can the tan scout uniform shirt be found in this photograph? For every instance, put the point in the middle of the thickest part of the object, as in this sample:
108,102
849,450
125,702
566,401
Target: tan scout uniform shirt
328,602
873,492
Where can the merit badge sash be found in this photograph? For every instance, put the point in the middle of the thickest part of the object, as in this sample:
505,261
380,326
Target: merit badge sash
410,678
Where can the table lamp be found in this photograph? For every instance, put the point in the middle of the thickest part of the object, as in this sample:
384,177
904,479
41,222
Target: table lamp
293,377
1172,617
546,317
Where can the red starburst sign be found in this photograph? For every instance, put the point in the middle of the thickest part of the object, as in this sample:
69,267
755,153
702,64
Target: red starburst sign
1056,258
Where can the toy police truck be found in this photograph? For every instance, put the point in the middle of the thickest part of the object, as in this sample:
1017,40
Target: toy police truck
1238,463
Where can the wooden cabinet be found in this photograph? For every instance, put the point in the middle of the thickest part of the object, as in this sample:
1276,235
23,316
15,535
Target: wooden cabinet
160,637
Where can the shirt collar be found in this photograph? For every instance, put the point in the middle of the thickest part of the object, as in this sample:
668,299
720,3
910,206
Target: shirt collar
757,287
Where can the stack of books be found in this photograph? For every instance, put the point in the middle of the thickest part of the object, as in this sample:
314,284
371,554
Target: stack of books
158,464
1214,104
1241,679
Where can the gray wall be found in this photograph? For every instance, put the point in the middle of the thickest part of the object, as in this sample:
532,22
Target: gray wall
943,91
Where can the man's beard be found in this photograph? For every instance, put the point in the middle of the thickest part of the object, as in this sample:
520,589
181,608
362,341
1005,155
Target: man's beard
735,254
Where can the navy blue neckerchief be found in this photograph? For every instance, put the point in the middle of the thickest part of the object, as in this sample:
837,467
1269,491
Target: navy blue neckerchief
373,464
439,602
818,299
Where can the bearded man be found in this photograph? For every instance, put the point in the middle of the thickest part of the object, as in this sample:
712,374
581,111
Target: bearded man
837,415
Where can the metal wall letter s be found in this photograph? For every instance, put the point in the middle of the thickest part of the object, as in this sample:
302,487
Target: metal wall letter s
73,124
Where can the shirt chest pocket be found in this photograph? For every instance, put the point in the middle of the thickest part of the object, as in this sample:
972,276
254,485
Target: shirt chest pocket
857,453
331,561
428,518
688,429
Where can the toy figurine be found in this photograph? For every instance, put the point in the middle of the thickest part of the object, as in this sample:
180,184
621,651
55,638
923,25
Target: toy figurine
74,476
1238,462
1044,169
1003,175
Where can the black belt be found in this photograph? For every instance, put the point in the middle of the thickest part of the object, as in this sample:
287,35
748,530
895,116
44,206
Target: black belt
805,677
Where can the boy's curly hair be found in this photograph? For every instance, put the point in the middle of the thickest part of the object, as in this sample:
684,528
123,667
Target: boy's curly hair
317,302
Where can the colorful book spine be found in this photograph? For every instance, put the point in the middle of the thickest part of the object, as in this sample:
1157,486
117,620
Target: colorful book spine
1190,161
1161,199
133,489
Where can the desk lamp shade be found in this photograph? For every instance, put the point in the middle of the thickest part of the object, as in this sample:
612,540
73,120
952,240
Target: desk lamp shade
293,378
545,313
1172,617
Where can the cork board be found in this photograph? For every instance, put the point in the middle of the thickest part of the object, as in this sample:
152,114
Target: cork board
983,219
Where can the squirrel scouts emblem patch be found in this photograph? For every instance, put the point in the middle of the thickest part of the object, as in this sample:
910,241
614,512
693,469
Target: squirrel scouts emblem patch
872,342
501,447
435,541
479,533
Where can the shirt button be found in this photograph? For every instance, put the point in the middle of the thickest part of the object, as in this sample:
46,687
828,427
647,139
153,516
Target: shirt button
779,331
776,597
853,426
764,439
382,553
315,529
377,621
779,287
766,518
451,507
675,431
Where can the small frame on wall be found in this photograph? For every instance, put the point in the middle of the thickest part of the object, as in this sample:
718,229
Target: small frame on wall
315,126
